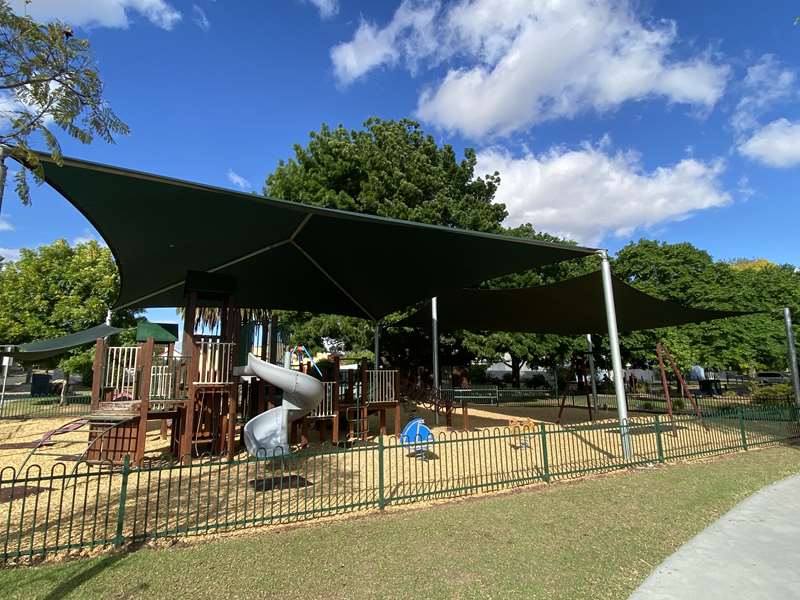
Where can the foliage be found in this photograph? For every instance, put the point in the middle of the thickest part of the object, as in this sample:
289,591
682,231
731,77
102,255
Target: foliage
48,76
773,394
687,275
56,290
391,169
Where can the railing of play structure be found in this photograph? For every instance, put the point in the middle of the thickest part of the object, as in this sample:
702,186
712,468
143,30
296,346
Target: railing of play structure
65,507
120,373
214,362
325,408
381,385
168,378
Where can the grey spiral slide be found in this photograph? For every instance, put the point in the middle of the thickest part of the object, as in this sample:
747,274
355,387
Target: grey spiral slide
268,433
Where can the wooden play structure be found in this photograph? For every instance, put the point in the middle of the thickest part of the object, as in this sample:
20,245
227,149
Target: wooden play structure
197,397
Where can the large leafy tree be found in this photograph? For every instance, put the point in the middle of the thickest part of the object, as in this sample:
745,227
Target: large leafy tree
687,275
56,290
388,168
48,78
391,169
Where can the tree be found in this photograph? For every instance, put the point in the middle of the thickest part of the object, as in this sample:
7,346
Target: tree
56,290
687,275
516,349
48,77
391,169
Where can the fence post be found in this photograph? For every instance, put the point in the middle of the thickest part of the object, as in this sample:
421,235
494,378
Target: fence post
659,446
741,428
119,538
496,396
543,437
381,496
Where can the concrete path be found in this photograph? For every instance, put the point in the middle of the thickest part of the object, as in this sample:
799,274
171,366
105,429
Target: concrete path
752,552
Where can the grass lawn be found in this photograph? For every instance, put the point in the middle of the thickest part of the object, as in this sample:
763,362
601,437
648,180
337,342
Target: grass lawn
596,538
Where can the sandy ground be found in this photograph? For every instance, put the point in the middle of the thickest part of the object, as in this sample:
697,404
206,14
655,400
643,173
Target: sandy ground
52,508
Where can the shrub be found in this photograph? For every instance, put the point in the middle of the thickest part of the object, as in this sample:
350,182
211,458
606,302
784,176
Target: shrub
677,404
648,406
773,394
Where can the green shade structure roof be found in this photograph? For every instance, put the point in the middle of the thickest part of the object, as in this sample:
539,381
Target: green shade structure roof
42,349
281,254
571,307
162,333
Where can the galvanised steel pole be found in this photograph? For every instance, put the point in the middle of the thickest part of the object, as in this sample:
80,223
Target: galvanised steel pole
435,338
592,373
616,359
787,317
377,345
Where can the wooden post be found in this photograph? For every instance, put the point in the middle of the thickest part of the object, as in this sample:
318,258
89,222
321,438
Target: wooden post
235,321
146,354
97,372
192,357
397,428
273,340
265,338
188,420
261,390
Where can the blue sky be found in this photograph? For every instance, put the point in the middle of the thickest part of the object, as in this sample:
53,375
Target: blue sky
608,121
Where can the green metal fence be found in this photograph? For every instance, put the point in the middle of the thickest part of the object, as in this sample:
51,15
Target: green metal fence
24,407
83,506
637,401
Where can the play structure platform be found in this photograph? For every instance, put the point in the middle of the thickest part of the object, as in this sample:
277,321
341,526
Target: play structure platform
225,391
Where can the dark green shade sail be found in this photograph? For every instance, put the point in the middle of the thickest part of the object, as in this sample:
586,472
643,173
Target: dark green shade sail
162,333
282,255
571,307
42,349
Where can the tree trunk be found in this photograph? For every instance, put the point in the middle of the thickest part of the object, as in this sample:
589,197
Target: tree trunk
516,367
64,388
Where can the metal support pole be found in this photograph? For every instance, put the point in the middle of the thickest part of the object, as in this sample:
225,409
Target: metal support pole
377,346
435,338
6,363
616,359
592,373
787,317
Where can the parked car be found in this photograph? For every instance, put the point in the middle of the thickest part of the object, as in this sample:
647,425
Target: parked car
772,377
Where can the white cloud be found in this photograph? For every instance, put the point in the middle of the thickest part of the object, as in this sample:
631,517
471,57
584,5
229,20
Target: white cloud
528,61
239,181
766,83
101,13
775,145
5,224
409,35
10,253
587,193
200,18
88,236
326,8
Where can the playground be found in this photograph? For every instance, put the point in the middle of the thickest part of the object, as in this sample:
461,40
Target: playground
217,427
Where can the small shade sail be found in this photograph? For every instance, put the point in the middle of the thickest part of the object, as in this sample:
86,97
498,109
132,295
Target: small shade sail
283,255
571,307
42,349
162,333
